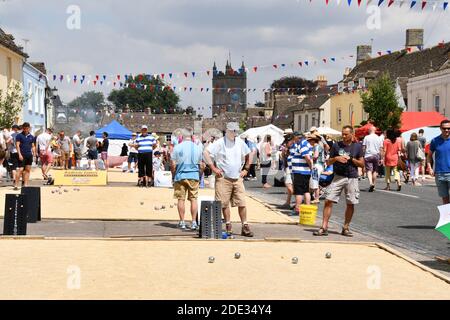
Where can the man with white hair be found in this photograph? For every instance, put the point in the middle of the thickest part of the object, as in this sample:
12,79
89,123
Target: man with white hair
185,167
372,145
230,154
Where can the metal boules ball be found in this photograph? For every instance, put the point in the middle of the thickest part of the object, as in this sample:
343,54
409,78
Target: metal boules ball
156,208
211,259
237,255
294,260
163,207
328,255
142,203
65,190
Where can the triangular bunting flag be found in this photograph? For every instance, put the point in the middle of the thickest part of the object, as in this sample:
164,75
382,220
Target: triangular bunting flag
54,77
401,3
359,3
283,65
413,3
300,63
95,82
255,69
333,59
380,2
424,3
118,77
170,75
379,53
369,2
162,75
186,74
389,51
349,2
434,6
208,72
324,60
104,77
193,74
275,66
207,89
97,77
445,5
306,62
390,3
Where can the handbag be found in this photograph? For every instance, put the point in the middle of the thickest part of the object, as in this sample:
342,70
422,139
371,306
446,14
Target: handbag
420,155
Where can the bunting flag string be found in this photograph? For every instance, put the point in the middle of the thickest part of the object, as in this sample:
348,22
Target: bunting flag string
424,3
115,79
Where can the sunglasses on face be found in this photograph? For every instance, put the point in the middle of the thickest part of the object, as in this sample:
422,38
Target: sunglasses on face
445,129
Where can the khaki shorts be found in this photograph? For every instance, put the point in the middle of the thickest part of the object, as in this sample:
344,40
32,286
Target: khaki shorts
183,187
350,187
230,190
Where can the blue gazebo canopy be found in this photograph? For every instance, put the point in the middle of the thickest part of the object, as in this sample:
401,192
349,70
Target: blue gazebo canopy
115,131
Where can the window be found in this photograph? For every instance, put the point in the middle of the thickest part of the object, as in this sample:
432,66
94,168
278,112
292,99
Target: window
168,137
299,123
362,82
313,119
8,71
436,102
306,122
30,96
339,115
36,99
419,105
340,87
42,101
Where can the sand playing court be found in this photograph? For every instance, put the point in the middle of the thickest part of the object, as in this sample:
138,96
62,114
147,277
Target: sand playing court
118,269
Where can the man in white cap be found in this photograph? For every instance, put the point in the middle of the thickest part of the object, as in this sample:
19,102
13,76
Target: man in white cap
231,154
145,143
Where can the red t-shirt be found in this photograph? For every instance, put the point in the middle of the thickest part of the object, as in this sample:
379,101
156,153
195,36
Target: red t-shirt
391,151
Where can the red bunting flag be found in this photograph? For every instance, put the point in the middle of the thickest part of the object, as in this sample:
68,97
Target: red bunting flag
95,82
162,75
201,89
186,74
409,49
300,63
207,72
255,69
424,3
359,3
114,84
441,44
97,77
324,60
380,53
327,1
118,77
390,3
275,66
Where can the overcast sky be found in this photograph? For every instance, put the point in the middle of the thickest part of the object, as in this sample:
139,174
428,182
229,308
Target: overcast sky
120,37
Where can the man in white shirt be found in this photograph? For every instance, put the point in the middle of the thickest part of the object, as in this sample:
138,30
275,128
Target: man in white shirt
133,152
230,154
372,145
77,148
45,153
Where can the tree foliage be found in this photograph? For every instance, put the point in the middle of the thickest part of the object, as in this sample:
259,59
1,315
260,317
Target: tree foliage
11,104
88,100
381,103
145,92
300,85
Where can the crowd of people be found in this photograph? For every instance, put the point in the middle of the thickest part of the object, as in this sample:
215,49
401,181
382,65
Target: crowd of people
313,166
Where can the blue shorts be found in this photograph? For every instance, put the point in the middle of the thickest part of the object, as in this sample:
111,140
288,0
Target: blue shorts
443,184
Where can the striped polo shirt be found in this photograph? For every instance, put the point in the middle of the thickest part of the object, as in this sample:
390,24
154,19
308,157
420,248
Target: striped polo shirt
145,143
298,162
291,154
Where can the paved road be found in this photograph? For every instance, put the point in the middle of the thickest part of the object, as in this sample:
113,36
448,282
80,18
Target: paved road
405,219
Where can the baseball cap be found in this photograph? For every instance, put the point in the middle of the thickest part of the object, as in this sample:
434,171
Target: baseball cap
297,134
233,126
144,127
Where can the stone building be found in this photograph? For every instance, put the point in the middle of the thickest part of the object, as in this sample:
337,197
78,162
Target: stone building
229,92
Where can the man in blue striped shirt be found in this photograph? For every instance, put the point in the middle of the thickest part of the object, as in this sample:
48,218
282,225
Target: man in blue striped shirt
301,165
145,143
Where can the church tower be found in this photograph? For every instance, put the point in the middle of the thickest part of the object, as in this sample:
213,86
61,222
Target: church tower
229,92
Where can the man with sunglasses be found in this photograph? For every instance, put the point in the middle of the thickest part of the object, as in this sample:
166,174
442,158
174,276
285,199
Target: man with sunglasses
440,146
231,164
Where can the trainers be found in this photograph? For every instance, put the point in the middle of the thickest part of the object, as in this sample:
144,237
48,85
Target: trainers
182,225
228,228
194,225
246,231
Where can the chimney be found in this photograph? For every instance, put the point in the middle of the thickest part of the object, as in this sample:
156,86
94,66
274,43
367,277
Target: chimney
363,53
321,81
414,39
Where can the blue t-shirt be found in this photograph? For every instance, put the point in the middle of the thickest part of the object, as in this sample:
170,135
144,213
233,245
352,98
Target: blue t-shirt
441,149
26,144
187,156
327,178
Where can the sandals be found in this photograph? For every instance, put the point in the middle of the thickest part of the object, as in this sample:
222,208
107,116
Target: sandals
321,232
346,233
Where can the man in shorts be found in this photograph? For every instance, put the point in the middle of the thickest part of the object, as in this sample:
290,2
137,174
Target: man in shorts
372,145
346,157
230,154
185,167
92,144
26,149
45,152
133,155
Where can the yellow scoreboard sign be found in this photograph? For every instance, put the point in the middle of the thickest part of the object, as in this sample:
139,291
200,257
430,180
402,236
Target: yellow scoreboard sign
80,178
